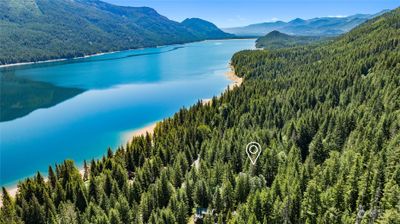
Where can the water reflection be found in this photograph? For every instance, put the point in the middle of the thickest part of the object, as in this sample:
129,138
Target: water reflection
20,96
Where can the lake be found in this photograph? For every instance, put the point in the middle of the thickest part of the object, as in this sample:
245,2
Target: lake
76,109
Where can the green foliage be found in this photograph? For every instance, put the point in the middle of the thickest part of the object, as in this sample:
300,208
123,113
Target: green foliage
37,30
205,29
327,117
276,40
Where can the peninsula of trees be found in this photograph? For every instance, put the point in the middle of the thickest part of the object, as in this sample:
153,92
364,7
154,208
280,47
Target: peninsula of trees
276,39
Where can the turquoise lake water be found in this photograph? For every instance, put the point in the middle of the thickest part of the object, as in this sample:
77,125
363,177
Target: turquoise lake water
115,94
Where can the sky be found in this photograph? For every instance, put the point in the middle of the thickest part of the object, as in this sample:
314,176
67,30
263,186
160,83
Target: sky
232,13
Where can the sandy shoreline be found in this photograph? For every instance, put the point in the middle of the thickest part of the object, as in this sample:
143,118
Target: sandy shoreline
236,82
128,136
142,131
138,132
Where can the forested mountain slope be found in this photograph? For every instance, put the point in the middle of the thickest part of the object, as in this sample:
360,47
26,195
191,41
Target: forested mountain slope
204,29
276,39
34,30
326,116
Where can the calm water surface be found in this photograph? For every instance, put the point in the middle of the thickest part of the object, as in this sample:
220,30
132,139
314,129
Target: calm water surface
120,92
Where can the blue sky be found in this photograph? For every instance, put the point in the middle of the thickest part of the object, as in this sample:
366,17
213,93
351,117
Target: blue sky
230,13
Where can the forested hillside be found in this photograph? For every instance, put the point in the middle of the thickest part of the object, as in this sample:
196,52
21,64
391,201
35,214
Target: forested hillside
34,30
326,116
205,29
276,39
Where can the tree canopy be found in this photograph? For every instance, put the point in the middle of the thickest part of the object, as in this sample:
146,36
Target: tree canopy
327,117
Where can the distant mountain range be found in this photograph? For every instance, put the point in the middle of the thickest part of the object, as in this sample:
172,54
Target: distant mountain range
324,26
34,30
276,39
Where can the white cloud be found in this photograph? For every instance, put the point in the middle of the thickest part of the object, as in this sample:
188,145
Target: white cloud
273,19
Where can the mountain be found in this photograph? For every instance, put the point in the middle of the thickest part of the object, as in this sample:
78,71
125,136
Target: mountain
259,29
298,21
276,39
326,116
204,29
324,26
34,30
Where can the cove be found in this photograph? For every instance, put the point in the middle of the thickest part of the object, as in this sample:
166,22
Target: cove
78,108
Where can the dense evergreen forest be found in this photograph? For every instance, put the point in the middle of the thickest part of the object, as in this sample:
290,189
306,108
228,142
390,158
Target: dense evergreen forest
276,39
327,117
37,30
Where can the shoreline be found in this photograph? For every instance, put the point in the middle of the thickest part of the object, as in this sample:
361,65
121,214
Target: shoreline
61,59
236,80
12,190
149,128
107,52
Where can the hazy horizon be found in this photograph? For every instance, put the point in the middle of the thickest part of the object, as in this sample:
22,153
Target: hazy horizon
236,13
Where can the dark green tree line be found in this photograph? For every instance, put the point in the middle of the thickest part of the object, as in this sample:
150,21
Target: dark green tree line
327,117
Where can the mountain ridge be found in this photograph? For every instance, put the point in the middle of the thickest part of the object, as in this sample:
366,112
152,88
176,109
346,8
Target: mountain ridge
37,30
276,39
319,26
204,28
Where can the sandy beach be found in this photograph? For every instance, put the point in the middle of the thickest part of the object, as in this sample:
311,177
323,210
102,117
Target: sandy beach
236,82
128,136
147,129
138,132
206,101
